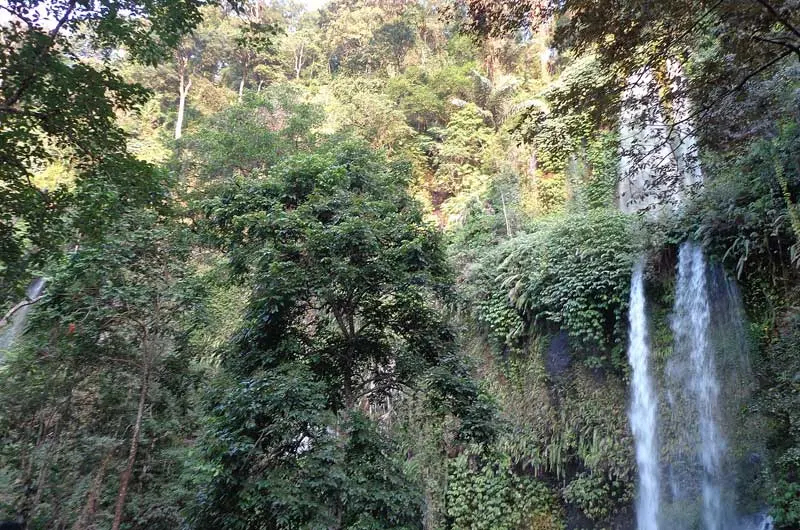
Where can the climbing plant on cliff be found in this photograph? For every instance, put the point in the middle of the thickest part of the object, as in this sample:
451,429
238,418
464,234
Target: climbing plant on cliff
569,272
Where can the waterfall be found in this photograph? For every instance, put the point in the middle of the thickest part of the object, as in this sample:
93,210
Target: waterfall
646,158
682,138
658,162
643,406
17,321
680,423
691,330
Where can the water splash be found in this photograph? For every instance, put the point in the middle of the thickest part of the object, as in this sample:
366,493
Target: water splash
762,521
643,407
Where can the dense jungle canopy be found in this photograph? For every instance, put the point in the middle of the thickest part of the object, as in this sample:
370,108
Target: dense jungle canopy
267,264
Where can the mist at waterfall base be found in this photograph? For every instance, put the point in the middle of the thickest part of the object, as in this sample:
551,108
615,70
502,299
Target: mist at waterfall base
697,454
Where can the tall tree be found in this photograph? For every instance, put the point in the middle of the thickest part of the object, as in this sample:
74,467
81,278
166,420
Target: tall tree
301,47
103,362
341,323
393,41
253,43
205,52
256,31
358,268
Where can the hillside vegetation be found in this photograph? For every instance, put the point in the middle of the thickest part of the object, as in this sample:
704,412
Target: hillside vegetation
364,267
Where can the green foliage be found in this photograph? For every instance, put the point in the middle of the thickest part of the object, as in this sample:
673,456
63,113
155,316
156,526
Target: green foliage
574,157
484,493
556,126
452,392
593,179
421,104
340,320
551,194
779,399
58,103
361,109
564,423
570,272
488,220
595,495
334,233
734,80
254,134
462,154
218,312
569,429
744,218
105,336
574,273
784,498
278,459
314,298
393,39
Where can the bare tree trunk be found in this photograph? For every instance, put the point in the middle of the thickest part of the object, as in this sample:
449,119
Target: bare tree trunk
137,427
505,214
298,60
86,519
243,81
184,91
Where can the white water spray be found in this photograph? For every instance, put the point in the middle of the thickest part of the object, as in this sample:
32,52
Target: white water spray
691,329
643,407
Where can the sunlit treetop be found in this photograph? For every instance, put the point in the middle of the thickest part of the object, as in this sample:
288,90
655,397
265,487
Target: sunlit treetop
59,95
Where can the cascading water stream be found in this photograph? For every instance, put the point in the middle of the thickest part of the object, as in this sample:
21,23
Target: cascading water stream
17,323
643,406
645,153
690,326
677,416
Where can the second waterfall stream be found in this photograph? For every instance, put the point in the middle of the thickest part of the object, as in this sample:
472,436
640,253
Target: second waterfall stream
690,327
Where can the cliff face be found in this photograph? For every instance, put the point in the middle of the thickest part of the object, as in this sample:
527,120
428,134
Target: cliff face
659,159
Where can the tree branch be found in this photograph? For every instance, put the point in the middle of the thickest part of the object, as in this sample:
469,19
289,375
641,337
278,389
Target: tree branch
20,305
780,18
21,17
754,73
793,47
340,321
11,110
51,38
707,107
